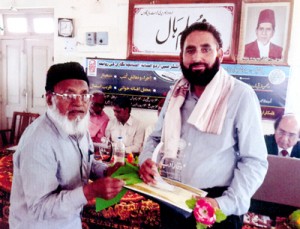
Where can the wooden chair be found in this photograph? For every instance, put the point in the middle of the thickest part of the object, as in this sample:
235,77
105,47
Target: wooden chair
19,123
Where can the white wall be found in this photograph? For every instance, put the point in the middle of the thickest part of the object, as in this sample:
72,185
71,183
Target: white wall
112,16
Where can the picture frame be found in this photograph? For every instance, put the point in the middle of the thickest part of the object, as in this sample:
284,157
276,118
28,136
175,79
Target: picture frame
254,12
65,27
154,28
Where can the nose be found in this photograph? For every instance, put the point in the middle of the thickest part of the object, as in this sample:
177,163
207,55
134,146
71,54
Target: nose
198,56
77,101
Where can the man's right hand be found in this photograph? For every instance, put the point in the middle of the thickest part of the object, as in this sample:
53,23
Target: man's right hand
106,188
147,171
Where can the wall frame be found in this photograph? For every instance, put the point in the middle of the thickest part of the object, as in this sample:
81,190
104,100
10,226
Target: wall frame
250,33
155,27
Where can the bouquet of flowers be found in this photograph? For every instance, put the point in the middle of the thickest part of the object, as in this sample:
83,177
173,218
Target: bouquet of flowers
204,213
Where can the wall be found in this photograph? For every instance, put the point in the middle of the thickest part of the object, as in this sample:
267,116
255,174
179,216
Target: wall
112,16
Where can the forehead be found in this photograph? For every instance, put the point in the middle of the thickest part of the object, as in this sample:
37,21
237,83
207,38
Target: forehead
289,124
98,97
72,85
265,25
200,38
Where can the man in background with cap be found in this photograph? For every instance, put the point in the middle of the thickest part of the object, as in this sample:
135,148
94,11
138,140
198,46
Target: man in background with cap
99,119
54,161
262,47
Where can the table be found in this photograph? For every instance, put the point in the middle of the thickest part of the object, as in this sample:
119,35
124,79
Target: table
134,211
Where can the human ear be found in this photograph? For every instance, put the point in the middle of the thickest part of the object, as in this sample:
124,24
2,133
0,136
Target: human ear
220,54
49,99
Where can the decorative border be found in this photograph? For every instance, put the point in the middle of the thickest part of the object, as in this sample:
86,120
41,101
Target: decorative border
249,18
155,28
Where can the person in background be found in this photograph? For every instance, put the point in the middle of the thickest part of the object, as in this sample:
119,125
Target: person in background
262,47
98,118
126,126
285,140
150,128
210,122
53,162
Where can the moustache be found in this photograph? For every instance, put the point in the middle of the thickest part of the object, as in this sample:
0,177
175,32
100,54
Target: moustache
198,64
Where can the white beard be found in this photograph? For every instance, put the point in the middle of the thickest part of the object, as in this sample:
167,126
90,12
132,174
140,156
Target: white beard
76,127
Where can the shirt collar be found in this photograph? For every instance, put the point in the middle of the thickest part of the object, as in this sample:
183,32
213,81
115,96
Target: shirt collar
289,150
263,49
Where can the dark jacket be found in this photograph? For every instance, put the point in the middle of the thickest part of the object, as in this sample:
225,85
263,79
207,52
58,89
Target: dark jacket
252,51
273,148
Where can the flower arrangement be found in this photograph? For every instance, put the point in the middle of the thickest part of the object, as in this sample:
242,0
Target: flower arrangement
294,219
204,213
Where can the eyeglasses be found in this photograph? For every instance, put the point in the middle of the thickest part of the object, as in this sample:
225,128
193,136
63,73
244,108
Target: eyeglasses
68,97
284,133
203,50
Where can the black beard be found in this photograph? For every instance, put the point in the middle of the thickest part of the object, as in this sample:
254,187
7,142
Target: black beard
200,78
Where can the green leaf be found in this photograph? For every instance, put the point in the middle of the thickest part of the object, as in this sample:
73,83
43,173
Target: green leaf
200,226
191,203
102,203
125,169
220,216
130,178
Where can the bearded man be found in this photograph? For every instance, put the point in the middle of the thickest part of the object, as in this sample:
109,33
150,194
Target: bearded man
54,161
211,125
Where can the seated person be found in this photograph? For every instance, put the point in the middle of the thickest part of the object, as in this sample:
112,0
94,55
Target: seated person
150,128
126,126
98,118
285,140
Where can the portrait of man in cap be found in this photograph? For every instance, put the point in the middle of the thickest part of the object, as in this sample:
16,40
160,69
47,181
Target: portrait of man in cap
262,47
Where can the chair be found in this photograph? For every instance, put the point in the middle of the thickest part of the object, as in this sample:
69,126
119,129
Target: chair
19,123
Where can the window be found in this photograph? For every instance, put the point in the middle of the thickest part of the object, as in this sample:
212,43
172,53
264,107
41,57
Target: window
16,25
28,22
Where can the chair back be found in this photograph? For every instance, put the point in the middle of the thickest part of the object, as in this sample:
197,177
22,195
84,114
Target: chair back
19,123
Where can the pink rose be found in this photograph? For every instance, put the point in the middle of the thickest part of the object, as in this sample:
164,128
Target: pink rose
204,213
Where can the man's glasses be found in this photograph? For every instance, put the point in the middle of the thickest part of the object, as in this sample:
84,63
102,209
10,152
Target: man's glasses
70,97
284,133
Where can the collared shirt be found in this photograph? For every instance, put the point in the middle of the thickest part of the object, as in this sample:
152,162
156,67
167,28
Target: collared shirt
289,150
236,158
97,126
263,49
132,133
50,169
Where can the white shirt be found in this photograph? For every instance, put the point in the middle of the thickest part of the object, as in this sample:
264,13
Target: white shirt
263,49
132,133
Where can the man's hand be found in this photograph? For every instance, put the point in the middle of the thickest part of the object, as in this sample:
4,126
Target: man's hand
147,171
106,188
212,201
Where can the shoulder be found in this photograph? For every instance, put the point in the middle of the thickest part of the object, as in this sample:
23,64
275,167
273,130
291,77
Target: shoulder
269,138
275,47
251,44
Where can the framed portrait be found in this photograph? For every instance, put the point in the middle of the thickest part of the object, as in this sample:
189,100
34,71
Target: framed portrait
264,33
155,28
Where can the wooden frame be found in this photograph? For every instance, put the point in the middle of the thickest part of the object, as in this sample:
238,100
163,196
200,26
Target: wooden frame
248,32
155,27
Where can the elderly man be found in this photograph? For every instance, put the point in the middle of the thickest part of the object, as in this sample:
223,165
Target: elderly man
126,126
53,162
285,140
211,124
262,47
98,118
